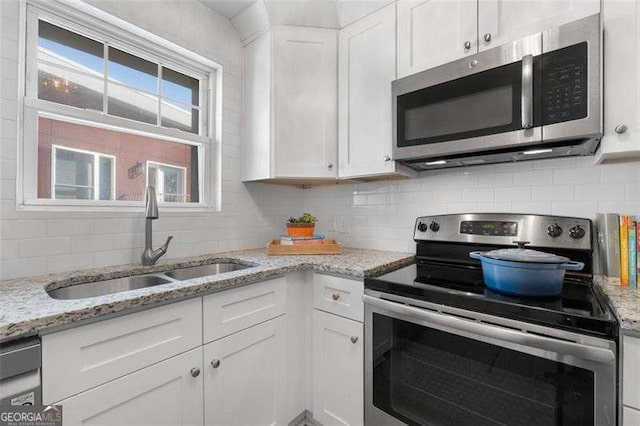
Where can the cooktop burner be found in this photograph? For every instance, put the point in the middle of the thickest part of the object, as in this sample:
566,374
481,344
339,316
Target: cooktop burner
578,308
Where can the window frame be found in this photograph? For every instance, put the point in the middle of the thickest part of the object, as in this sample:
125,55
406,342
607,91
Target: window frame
93,23
96,170
172,166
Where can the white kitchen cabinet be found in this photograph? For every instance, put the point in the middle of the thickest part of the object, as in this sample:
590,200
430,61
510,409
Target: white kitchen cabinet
167,393
366,57
630,417
290,97
434,32
502,21
82,358
338,370
622,89
245,377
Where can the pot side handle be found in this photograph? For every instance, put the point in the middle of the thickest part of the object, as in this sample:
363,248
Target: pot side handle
572,266
476,255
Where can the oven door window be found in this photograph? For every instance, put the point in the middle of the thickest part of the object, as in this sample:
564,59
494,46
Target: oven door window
426,376
481,104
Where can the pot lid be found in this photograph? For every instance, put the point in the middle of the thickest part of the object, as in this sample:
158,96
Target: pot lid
522,254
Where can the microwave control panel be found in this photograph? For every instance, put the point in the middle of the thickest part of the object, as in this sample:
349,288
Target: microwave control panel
564,84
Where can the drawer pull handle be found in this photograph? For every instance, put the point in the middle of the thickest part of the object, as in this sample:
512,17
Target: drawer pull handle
621,128
335,296
354,339
195,372
215,363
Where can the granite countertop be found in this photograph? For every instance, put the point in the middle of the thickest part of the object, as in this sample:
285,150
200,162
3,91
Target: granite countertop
27,309
625,302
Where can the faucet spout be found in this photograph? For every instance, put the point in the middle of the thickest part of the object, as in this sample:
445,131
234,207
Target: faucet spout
151,256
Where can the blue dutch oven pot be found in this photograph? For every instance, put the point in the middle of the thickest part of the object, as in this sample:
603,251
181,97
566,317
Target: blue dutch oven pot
524,272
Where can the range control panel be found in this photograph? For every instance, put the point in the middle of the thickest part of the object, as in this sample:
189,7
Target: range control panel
504,228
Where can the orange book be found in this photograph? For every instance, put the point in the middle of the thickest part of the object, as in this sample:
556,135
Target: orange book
624,250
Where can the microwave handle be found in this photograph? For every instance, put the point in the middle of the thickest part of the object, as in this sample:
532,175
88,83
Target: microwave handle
527,91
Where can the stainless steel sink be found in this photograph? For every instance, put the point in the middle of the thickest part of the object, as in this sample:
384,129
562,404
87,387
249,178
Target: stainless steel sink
100,288
204,270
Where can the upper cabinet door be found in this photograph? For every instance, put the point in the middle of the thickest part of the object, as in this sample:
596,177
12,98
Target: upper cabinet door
367,52
305,70
434,32
502,21
622,88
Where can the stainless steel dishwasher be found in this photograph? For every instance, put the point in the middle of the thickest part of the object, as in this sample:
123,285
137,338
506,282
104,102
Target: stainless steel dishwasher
20,363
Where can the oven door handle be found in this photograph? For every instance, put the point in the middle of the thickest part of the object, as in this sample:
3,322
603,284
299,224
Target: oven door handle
527,92
481,330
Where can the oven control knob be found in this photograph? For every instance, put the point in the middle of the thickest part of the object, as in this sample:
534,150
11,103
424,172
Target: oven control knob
422,227
554,230
434,226
576,232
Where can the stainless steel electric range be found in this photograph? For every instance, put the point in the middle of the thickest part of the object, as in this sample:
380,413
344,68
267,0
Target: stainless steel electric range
440,348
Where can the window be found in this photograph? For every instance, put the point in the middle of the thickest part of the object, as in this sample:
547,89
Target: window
82,175
170,181
105,117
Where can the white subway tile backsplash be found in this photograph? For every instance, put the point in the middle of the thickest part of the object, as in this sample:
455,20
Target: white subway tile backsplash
533,177
578,175
553,193
495,180
43,247
518,193
600,192
478,194
448,196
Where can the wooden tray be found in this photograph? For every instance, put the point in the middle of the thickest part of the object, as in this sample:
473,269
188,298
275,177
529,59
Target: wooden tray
330,246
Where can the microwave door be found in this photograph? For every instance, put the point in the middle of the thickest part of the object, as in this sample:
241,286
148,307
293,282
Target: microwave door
476,104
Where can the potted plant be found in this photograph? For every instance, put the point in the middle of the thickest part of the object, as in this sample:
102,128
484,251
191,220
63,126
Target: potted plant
302,226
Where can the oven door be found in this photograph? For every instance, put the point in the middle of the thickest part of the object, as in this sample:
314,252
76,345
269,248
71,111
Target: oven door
440,368
475,104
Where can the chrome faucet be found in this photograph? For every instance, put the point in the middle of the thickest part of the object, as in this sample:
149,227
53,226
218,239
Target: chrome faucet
150,256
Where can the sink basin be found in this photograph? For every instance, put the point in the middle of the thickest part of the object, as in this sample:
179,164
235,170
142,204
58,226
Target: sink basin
100,288
204,270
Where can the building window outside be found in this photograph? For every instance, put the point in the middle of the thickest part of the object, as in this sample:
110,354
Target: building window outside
82,175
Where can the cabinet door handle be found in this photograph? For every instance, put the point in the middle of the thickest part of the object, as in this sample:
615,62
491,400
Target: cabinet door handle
330,166
467,45
195,372
387,158
215,363
354,339
487,37
621,128
335,296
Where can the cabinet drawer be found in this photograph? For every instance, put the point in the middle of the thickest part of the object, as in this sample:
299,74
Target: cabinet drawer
340,296
81,358
233,310
631,372
167,393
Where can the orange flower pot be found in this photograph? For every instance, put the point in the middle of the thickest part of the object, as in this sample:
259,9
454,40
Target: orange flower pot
300,229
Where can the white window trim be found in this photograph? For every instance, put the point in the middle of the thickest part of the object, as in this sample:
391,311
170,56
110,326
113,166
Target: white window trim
79,17
173,166
96,170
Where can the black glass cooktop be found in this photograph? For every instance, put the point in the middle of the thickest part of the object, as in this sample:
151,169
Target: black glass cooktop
579,307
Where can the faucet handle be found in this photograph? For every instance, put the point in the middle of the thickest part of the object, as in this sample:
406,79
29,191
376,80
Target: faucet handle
166,244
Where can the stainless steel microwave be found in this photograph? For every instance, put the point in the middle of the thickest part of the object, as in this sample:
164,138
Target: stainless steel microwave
537,97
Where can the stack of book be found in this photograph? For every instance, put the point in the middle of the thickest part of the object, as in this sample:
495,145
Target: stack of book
619,245
291,241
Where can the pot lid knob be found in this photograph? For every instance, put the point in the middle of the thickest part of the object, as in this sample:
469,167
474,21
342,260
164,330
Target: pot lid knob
521,244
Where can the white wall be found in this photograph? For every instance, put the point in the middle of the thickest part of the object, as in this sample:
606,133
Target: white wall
34,243
382,215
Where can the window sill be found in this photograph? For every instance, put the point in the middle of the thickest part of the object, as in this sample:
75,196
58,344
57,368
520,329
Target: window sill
107,206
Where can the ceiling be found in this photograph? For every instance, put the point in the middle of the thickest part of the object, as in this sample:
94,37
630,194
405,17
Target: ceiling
228,8
312,13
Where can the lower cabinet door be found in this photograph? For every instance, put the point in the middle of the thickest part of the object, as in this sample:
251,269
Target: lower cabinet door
338,370
245,377
166,393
